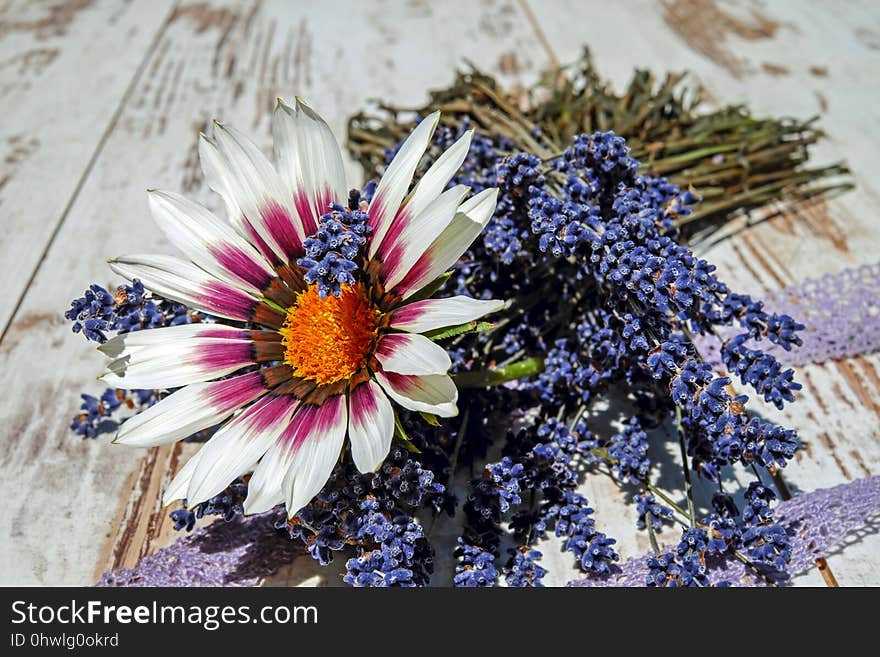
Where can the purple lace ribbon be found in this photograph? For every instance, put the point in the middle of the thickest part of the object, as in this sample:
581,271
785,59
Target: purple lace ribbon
244,551
240,552
816,522
841,313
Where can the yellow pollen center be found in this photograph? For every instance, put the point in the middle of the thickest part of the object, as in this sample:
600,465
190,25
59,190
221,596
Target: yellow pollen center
328,340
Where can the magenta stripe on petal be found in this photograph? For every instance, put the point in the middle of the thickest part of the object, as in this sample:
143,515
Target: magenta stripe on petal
392,237
305,212
408,313
240,265
225,333
258,241
324,200
391,257
279,224
390,343
268,411
404,384
237,391
376,211
312,420
224,299
414,276
363,406
222,354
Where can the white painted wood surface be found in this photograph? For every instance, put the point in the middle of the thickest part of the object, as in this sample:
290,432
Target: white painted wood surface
118,106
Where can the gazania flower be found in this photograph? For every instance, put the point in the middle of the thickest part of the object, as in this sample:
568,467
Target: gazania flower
321,300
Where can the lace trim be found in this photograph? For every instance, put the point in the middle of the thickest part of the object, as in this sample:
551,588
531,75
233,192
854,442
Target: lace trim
841,313
241,552
817,524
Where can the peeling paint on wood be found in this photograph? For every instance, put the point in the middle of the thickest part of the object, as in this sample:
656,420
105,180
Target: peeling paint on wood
706,28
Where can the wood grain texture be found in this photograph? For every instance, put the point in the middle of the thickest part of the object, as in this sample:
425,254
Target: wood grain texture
87,506
65,66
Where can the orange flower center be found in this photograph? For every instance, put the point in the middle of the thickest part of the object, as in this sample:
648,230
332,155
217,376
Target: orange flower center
328,340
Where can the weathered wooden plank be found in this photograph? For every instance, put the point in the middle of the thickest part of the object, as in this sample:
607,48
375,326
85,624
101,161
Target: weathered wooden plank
223,59
64,68
230,60
789,58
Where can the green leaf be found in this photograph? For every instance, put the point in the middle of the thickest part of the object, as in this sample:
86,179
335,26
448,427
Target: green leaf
400,434
604,454
274,305
432,287
461,329
430,419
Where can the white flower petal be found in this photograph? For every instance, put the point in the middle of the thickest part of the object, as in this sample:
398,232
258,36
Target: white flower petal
238,445
258,191
177,488
444,252
395,183
264,486
216,176
209,242
410,353
309,161
126,343
414,240
432,184
317,439
189,410
434,394
426,191
370,426
182,281
178,363
431,314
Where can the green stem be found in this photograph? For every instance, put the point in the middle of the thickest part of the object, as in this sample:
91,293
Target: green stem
688,488
663,496
459,441
485,378
649,525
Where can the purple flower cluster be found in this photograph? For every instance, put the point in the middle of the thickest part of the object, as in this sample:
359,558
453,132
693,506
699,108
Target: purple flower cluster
651,511
608,296
96,413
765,542
333,252
393,551
684,566
476,567
374,512
629,450
539,466
226,504
98,312
523,570
752,535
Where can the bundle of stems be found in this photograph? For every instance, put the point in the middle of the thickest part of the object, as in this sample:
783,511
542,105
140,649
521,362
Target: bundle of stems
735,161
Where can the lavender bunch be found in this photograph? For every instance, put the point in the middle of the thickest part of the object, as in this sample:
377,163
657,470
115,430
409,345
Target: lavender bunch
605,297
131,308
98,312
604,301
